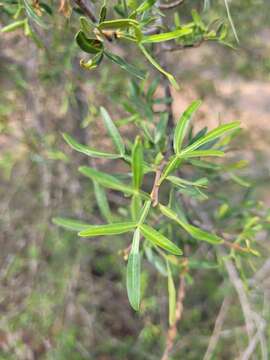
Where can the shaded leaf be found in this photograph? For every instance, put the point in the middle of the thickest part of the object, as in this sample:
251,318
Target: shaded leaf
102,202
89,45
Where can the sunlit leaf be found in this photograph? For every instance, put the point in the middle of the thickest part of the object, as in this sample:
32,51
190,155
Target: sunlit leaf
212,135
159,239
86,149
182,125
166,36
137,163
107,229
133,272
113,131
13,26
158,67
70,224
202,153
195,232
172,296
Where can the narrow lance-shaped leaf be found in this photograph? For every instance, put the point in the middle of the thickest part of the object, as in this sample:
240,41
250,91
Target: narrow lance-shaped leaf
182,125
113,131
144,212
166,36
102,202
195,232
158,67
133,70
70,224
144,6
159,239
137,163
133,272
172,296
212,135
84,149
172,164
107,229
13,26
202,153
105,180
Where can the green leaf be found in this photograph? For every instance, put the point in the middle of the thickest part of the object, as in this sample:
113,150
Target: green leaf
118,24
89,45
183,182
86,26
137,163
32,15
108,181
70,224
159,239
102,202
195,232
144,211
182,125
158,67
93,62
172,296
13,26
201,153
133,273
86,149
131,69
166,36
102,14
135,207
212,135
107,229
156,261
172,164
144,6
113,131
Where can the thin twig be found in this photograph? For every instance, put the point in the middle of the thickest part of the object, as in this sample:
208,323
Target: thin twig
155,189
239,287
171,5
217,328
172,331
88,10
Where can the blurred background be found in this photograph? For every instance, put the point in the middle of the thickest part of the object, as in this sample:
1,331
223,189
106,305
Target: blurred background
64,298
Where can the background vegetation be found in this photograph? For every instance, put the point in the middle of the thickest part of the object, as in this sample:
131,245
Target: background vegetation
64,297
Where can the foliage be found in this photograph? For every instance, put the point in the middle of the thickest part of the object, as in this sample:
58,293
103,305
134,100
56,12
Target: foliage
173,184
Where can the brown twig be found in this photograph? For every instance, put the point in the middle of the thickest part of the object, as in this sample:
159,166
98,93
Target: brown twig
155,189
171,5
86,7
217,328
172,331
